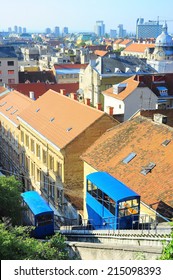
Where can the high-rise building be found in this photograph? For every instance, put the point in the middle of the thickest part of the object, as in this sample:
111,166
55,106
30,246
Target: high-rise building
65,31
48,30
121,31
15,29
56,31
100,28
24,29
113,34
9,29
20,29
150,29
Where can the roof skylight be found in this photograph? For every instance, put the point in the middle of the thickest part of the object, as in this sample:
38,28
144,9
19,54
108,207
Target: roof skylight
129,157
9,108
68,129
166,142
148,168
12,113
3,104
52,119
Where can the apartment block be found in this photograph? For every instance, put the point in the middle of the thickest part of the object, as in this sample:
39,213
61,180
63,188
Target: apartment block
8,65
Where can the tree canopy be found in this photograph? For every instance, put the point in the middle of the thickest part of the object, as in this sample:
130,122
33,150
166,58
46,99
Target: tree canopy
10,200
16,244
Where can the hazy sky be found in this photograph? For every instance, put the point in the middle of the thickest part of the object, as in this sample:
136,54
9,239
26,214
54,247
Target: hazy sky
81,15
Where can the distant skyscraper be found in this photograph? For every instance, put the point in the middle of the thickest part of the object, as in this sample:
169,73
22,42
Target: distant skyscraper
9,29
150,29
48,30
100,28
24,29
20,29
15,29
57,32
113,33
121,31
65,31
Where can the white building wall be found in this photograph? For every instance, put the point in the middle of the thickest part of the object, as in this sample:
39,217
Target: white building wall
118,105
141,98
164,66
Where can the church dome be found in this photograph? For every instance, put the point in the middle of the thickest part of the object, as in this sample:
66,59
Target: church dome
164,39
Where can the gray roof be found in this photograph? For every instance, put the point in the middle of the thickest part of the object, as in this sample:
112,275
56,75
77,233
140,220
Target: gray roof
123,65
7,51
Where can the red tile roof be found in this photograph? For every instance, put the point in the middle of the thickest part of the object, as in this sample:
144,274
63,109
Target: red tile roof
100,53
132,84
70,117
143,137
138,47
14,104
40,88
2,89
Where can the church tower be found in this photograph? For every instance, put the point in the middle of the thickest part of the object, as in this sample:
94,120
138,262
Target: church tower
162,57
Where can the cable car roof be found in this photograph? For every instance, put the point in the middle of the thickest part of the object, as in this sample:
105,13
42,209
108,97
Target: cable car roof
111,186
36,203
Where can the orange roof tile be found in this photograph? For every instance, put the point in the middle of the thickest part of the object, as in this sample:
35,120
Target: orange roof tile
135,47
143,137
2,89
69,117
125,42
132,84
40,88
14,104
100,53
118,41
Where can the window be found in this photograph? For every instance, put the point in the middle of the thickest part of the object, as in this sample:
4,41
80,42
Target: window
129,157
22,136
51,162
38,175
59,169
27,141
10,63
59,196
32,146
23,159
129,207
45,183
27,164
44,154
32,169
10,72
38,150
52,189
11,81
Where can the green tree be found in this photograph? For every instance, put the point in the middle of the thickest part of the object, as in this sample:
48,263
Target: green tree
167,253
10,200
16,244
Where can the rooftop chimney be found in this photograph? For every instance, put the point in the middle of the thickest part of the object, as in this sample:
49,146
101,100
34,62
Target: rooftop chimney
110,110
99,106
73,95
87,101
32,95
63,91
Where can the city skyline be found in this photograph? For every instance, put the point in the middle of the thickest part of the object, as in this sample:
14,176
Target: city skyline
81,16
